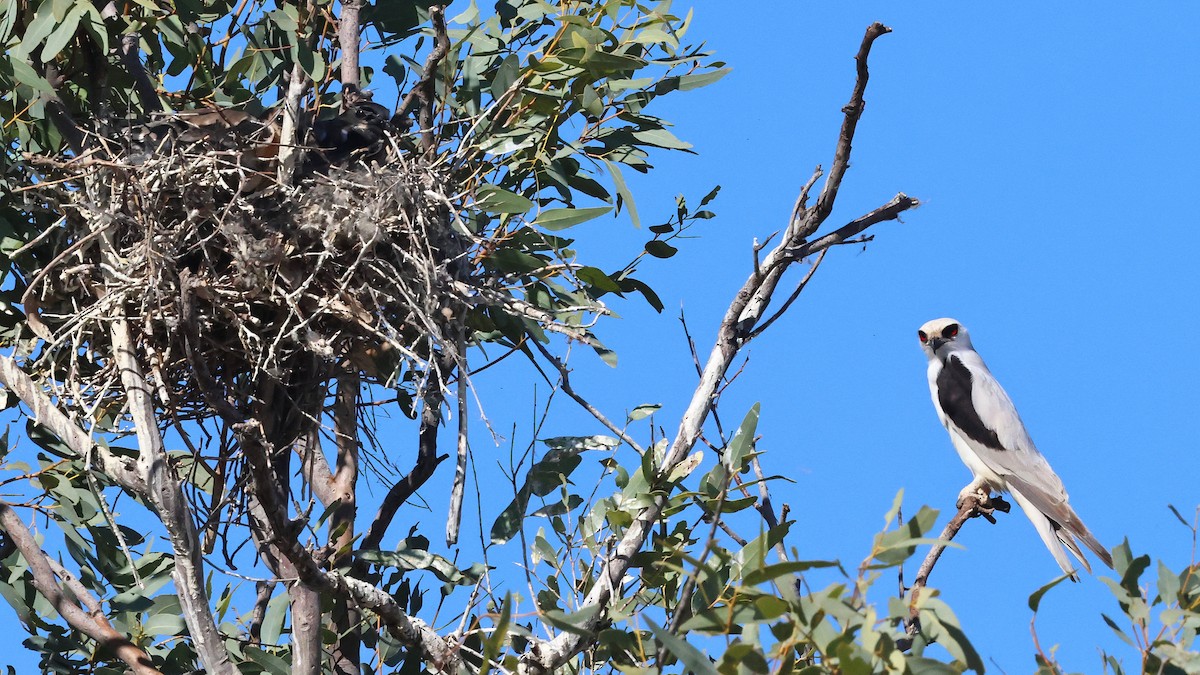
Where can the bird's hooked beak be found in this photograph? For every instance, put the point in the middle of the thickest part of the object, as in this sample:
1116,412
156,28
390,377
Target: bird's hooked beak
935,343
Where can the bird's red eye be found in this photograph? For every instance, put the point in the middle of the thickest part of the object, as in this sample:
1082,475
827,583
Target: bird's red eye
950,331
922,336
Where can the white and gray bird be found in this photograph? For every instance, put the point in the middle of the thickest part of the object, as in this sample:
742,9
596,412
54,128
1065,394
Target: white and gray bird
992,441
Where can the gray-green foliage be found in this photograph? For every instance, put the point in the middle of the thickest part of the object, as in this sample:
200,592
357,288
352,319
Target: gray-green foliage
543,108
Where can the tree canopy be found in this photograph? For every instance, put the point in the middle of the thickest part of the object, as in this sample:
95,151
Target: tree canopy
257,251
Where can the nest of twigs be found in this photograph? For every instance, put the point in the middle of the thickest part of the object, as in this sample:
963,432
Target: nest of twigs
225,275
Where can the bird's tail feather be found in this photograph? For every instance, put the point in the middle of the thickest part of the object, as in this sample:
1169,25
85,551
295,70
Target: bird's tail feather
1065,521
1046,531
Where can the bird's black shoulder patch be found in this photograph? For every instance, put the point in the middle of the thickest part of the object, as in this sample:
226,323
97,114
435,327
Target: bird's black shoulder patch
954,395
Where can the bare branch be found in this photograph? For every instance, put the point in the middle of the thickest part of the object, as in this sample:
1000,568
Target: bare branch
423,92
165,494
564,375
853,111
289,133
348,28
791,298
427,461
92,623
123,470
889,211
743,313
454,517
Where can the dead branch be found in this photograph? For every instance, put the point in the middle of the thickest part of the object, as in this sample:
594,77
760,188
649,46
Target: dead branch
564,375
91,622
742,315
423,92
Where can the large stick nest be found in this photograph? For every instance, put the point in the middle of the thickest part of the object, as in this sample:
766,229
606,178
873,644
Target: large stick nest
228,276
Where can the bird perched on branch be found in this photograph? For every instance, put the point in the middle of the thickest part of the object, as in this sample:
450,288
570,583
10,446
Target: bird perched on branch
359,132
992,441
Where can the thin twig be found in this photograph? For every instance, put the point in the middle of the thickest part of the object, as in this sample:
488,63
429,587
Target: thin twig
564,375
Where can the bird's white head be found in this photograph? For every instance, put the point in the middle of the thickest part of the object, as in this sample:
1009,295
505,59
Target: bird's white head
942,337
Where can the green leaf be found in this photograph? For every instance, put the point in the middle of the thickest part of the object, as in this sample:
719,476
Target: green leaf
693,658
1117,629
698,80
661,138
492,199
561,219
164,624
1168,583
495,642
1036,598
62,33
596,278
920,665
742,441
272,623
660,249
643,411
506,74
753,555
571,623
630,284
784,569
624,196
269,662
965,650
394,67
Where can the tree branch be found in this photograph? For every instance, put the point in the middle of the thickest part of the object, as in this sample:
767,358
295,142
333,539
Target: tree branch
427,458
742,315
92,623
348,27
423,92
972,507
165,495
123,470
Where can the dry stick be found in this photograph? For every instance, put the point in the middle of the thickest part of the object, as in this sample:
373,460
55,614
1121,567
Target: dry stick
740,318
454,518
92,623
564,375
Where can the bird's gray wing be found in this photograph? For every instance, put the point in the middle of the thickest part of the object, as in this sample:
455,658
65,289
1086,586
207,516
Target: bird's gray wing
1023,467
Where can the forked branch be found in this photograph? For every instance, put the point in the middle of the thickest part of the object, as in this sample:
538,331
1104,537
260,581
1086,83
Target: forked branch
741,318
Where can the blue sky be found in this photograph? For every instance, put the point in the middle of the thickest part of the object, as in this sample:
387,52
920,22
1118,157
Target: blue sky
1053,146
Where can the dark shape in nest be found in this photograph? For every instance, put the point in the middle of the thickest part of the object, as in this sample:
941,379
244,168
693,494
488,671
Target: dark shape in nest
227,272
